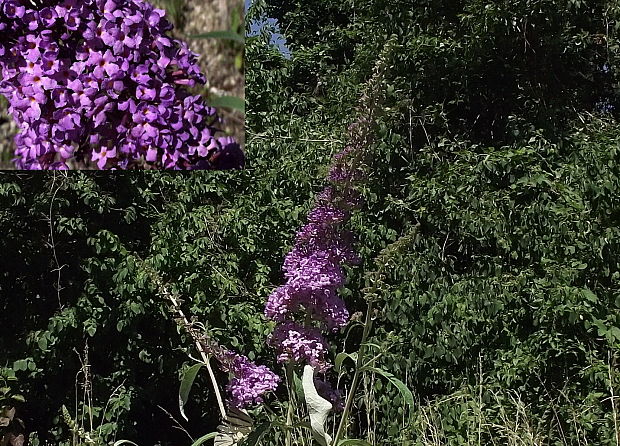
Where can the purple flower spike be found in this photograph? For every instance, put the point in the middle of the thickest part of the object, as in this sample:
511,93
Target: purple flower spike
104,73
249,382
313,269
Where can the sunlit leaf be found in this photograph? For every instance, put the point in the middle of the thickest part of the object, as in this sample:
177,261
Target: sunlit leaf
186,385
204,438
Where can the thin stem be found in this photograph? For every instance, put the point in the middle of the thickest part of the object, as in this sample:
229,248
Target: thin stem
289,412
613,397
203,354
52,243
356,375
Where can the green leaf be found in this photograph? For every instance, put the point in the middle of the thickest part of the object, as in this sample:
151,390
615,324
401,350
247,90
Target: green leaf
186,385
257,434
232,102
340,357
42,342
204,438
401,386
19,398
589,295
225,35
298,386
20,364
353,442
615,332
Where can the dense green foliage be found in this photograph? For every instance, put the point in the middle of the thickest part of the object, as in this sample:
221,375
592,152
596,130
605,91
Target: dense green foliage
218,238
493,150
498,141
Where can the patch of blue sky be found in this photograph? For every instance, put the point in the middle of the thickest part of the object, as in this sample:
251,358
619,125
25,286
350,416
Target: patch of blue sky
272,25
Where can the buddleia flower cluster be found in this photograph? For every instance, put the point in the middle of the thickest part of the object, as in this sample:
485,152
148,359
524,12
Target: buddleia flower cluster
308,305
250,381
102,81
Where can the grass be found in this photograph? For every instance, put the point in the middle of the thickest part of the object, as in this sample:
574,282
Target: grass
175,10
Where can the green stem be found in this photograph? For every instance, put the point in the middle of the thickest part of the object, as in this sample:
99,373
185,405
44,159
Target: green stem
356,375
289,412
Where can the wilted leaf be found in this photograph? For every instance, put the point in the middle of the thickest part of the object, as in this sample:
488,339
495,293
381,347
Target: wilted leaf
236,428
318,407
7,416
16,440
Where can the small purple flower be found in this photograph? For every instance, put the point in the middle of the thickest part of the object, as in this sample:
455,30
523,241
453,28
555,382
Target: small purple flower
31,19
50,63
31,48
145,94
31,104
105,64
145,113
103,156
141,75
13,10
48,17
66,151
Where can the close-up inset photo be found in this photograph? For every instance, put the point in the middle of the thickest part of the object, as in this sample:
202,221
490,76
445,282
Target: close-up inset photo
121,84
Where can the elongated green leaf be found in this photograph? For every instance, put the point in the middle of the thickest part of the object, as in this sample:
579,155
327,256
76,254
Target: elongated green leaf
225,35
204,438
284,426
401,386
353,442
298,387
186,385
233,102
